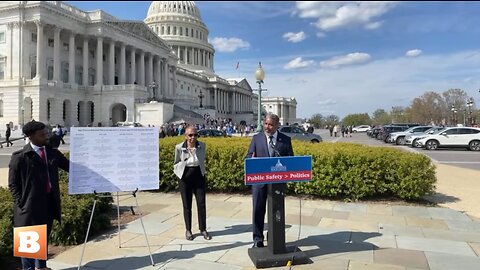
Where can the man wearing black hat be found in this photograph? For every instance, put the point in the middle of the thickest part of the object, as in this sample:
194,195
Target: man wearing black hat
33,182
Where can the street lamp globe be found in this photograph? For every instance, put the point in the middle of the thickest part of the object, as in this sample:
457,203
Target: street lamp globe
259,76
259,73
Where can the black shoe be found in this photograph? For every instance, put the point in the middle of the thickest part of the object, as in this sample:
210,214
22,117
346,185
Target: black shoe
206,235
189,235
258,244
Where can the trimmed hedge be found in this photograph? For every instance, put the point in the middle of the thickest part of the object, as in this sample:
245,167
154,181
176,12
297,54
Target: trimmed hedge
76,211
340,170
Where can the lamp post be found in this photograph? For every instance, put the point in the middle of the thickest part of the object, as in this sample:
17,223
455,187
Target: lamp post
152,86
469,105
259,76
201,96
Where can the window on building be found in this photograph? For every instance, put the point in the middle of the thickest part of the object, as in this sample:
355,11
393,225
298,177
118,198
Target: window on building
191,32
92,54
92,112
181,31
79,75
33,66
186,31
65,72
91,76
49,109
3,63
174,30
65,47
64,115
51,42
168,30
196,33
2,37
34,37
163,30
79,51
49,69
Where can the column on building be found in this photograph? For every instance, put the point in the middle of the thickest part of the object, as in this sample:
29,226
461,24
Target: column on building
215,98
99,76
164,80
133,68
40,50
158,76
71,59
111,63
207,61
56,53
185,55
174,80
284,113
85,61
203,57
9,44
234,103
178,54
141,78
123,73
150,77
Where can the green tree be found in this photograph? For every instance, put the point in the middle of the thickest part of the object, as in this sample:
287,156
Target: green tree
317,120
381,117
357,119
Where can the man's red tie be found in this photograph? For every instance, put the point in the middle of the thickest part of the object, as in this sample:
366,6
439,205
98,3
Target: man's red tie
44,158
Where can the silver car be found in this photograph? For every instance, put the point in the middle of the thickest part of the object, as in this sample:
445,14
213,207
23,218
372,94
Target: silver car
298,133
412,139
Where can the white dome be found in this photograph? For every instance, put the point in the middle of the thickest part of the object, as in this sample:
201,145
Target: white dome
187,8
179,23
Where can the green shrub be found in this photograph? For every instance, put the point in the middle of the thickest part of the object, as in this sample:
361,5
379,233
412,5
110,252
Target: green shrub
76,211
6,225
340,170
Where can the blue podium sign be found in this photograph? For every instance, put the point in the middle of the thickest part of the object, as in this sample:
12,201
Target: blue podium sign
272,170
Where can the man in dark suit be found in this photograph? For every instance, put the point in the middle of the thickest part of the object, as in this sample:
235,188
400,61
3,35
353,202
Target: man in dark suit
34,184
270,143
8,133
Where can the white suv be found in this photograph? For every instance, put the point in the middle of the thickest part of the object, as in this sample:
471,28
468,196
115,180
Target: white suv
362,128
453,137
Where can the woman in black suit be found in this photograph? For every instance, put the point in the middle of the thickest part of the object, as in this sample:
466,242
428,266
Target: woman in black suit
189,166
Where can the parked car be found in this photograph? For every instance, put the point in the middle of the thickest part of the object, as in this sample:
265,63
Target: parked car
399,137
127,124
210,133
413,138
298,133
453,137
362,128
385,131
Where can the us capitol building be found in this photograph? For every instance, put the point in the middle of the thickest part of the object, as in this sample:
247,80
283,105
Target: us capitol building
62,65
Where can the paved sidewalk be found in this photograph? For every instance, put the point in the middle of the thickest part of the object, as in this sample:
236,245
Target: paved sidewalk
334,235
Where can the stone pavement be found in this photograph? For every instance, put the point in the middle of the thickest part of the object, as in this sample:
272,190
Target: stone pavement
334,235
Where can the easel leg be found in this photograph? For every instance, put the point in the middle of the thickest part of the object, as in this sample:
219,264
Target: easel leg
118,221
86,236
144,232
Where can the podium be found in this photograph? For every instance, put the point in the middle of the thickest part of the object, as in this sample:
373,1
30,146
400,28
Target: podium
277,253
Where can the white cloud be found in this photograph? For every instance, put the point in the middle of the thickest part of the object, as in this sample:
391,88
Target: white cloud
413,53
346,60
229,44
377,84
321,35
327,102
295,37
298,63
334,15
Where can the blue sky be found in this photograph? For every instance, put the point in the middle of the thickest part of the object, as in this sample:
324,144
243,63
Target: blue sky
340,57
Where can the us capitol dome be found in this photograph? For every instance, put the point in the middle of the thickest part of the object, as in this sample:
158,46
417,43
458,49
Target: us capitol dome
180,24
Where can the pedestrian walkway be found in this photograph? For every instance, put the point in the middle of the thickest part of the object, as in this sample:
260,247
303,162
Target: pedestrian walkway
334,235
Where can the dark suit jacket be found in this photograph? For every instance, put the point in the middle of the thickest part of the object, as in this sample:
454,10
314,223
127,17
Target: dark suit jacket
26,180
259,148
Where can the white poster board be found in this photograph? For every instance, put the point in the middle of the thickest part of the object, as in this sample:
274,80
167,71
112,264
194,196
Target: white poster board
113,159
